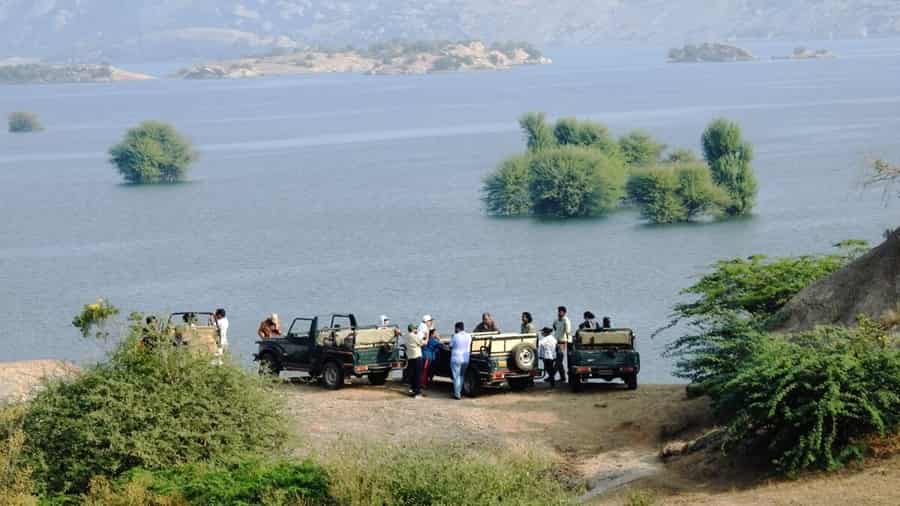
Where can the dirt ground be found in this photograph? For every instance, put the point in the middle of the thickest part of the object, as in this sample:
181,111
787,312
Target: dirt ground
608,440
19,379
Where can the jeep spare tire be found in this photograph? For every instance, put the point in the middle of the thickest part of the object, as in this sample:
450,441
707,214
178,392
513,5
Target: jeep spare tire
524,357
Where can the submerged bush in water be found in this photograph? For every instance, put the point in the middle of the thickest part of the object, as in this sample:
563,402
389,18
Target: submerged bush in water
575,182
153,152
671,194
24,122
505,191
640,149
729,158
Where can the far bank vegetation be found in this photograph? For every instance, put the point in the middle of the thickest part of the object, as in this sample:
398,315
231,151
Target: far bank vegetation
576,168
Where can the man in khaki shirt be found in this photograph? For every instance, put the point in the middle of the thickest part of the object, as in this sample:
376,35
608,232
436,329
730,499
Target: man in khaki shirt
414,343
562,331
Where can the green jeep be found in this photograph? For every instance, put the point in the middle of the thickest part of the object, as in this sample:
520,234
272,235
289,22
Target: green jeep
606,354
496,359
332,352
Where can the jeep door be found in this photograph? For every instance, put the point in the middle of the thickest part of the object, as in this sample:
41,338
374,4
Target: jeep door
299,343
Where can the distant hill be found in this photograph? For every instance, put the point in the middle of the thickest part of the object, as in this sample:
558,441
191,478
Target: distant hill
163,29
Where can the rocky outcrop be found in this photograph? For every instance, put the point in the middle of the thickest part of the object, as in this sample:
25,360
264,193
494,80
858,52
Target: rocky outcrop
38,73
805,53
870,285
709,52
383,59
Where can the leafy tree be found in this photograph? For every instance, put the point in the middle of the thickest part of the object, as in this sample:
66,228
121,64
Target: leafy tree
574,132
729,158
656,192
24,122
639,148
575,181
505,191
153,152
538,133
682,155
671,194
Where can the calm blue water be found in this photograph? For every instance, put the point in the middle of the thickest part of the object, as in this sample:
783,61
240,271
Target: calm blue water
353,193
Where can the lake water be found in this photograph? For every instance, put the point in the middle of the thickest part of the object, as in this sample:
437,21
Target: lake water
339,193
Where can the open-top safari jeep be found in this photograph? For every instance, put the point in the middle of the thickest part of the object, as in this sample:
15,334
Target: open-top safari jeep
496,359
197,331
605,354
332,348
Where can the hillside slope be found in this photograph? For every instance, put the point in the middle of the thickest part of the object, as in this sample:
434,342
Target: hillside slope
159,29
870,285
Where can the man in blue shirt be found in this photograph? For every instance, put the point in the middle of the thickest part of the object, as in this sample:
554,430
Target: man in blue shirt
460,349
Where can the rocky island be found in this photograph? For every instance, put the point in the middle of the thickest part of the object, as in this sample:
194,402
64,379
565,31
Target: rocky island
709,52
381,59
805,53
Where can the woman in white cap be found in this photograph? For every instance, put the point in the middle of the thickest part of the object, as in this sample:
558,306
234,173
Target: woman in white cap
269,328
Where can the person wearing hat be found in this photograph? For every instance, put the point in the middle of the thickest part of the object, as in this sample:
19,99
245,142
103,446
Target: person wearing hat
414,343
269,328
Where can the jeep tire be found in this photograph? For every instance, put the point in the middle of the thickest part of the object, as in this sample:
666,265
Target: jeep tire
378,378
524,357
575,383
268,365
332,376
471,383
631,381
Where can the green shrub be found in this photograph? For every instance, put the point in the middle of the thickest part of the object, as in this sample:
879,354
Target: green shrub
538,134
150,409
807,402
575,181
505,191
16,484
729,158
682,155
24,122
670,194
153,152
244,482
424,476
575,132
640,149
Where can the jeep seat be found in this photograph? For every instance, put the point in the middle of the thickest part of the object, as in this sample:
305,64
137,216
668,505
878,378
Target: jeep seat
612,337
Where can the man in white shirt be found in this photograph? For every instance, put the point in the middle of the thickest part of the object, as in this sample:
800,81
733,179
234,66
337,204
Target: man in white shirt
562,331
460,350
547,352
222,325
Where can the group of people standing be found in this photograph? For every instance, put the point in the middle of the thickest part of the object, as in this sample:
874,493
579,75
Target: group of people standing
423,343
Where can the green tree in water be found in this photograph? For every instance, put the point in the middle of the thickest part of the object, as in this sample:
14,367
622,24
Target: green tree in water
538,134
505,191
153,152
575,182
729,158
640,149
